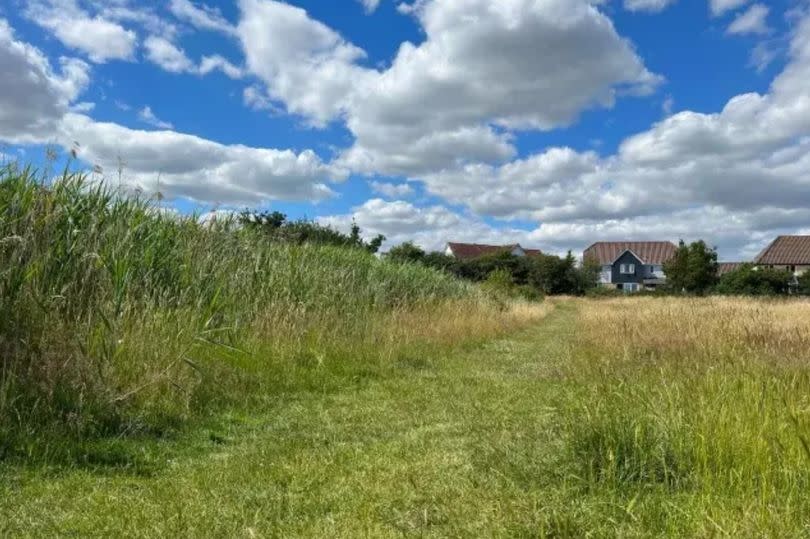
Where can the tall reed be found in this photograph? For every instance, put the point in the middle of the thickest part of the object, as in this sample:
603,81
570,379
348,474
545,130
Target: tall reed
115,314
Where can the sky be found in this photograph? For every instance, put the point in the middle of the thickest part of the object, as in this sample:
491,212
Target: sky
549,123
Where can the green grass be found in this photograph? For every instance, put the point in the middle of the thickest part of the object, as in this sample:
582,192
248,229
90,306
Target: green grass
525,436
162,378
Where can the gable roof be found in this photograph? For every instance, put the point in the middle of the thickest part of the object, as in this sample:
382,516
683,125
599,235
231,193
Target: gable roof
786,250
649,252
467,251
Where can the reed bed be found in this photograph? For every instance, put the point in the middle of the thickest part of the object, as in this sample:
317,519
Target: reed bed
118,316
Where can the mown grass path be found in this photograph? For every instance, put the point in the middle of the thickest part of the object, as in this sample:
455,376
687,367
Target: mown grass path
446,446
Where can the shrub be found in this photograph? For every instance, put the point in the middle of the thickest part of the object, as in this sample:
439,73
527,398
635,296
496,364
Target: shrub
754,281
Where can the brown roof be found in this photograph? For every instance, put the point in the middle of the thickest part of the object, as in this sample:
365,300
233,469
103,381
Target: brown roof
786,250
728,267
650,252
466,251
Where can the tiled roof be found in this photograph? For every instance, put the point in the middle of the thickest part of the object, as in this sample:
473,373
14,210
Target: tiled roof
786,250
467,251
728,267
650,252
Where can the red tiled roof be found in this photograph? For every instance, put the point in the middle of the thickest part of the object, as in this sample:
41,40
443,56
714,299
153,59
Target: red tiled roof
467,251
650,252
728,267
787,251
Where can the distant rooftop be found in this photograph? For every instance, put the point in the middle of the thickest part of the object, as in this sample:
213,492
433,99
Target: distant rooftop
786,251
650,252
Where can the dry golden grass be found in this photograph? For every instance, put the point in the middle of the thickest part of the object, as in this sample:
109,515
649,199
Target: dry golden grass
456,322
709,327
705,402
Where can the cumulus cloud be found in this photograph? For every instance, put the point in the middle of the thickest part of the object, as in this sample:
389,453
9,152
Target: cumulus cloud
752,21
391,190
745,168
34,96
306,65
99,38
456,97
180,165
35,108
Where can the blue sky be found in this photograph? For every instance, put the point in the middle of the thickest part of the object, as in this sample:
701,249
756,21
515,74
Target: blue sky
553,123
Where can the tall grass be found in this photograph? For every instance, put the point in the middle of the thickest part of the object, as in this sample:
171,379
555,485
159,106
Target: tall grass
116,316
704,400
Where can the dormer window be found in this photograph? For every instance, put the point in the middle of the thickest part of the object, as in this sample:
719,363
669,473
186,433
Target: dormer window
628,269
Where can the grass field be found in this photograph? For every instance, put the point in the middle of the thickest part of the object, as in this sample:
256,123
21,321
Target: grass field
629,417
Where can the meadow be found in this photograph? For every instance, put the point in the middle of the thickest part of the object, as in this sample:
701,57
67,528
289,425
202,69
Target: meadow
165,378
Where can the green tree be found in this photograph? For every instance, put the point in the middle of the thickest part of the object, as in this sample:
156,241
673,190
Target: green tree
693,269
276,226
406,252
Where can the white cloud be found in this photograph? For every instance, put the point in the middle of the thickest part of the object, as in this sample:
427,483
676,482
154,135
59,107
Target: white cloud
430,227
305,64
34,108
719,7
167,55
391,190
450,99
370,5
34,97
201,17
99,38
172,58
653,6
753,21
745,169
217,62
180,165
147,116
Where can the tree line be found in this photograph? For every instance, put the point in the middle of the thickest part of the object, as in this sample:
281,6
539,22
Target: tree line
693,270
527,276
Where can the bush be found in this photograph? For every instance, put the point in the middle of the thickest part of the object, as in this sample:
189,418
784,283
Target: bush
804,283
753,281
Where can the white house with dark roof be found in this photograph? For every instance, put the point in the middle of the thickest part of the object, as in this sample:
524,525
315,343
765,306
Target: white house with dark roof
631,265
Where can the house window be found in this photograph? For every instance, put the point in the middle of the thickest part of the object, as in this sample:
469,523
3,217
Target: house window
792,269
628,269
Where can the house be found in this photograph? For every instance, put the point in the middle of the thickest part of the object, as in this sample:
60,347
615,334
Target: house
791,253
631,265
471,251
